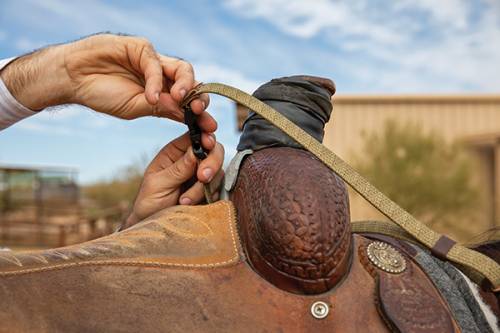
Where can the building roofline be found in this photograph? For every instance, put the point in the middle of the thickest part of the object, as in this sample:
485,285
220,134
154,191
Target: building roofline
482,140
416,98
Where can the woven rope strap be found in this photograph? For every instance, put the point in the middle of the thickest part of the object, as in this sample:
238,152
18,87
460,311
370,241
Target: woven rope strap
456,253
381,227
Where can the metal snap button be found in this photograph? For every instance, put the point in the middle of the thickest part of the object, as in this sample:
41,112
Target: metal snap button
320,310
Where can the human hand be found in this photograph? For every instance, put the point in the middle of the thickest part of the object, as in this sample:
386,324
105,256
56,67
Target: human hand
121,76
174,165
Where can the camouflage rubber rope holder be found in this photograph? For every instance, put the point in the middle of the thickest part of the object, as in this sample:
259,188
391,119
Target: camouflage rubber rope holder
440,245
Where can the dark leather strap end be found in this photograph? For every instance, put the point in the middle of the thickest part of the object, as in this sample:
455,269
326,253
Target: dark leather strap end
442,247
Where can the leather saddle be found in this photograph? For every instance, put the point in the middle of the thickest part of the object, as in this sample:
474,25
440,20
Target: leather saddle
278,255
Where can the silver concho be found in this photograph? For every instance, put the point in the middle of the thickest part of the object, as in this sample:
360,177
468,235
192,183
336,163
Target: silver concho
386,257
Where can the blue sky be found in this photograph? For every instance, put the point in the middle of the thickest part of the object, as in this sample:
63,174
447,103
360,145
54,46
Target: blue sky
376,47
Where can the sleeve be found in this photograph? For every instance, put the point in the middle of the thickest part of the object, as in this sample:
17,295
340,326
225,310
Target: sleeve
11,111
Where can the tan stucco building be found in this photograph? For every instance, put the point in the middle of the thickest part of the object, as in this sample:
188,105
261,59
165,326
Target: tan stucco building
472,119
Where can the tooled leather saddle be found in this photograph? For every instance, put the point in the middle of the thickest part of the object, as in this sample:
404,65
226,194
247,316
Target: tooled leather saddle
277,255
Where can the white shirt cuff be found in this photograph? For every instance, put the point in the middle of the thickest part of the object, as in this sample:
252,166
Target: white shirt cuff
11,111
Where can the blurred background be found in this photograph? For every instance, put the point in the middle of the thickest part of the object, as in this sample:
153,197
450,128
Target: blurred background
417,108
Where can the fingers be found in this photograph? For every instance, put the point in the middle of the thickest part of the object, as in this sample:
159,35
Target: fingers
208,140
180,171
176,148
171,152
200,104
182,73
214,186
166,108
211,165
176,163
196,193
169,108
153,73
179,72
136,107
193,195
207,123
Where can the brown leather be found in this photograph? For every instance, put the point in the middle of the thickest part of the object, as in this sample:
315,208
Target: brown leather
181,236
408,301
489,297
182,270
325,83
216,292
293,215
442,247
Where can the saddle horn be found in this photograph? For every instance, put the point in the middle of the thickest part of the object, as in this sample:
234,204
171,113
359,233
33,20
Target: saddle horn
293,211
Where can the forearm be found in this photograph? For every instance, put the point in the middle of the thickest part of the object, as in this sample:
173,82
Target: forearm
38,80
11,111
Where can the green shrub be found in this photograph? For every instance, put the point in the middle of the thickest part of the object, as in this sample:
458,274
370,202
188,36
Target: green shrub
120,191
420,171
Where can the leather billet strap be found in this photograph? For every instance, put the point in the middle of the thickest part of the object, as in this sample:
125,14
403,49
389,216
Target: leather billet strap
459,254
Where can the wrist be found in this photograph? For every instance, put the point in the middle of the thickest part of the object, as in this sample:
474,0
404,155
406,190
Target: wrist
39,80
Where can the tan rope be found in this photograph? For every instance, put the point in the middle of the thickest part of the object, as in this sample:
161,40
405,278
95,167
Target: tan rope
381,227
458,253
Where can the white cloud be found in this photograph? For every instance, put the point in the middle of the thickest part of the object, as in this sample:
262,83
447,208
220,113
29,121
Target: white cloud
449,13
77,14
445,45
216,73
306,19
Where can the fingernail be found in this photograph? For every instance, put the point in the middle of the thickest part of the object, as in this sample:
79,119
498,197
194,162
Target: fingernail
211,138
207,173
157,96
185,201
203,104
183,93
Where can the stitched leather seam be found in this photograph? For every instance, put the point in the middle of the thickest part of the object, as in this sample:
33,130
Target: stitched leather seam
232,223
117,263
153,264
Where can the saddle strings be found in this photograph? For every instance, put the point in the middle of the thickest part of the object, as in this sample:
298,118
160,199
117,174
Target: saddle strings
467,259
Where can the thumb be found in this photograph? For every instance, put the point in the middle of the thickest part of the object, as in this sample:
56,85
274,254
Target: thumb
180,171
